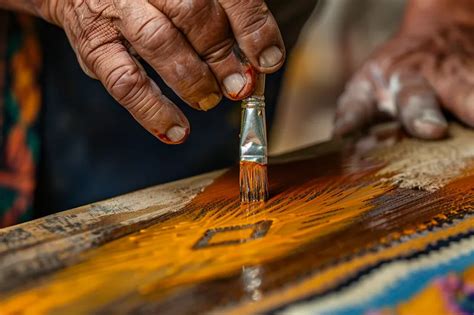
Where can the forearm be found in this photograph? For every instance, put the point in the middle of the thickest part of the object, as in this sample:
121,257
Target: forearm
46,10
27,6
424,16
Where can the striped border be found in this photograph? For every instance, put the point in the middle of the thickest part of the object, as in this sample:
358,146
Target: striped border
335,279
393,282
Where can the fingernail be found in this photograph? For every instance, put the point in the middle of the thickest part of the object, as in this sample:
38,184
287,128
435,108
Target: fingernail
270,57
234,83
432,117
430,125
209,101
176,133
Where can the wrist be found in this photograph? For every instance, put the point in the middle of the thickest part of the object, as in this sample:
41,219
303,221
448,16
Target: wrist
425,16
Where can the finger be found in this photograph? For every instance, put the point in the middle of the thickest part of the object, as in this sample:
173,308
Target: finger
418,107
156,39
356,107
213,41
83,65
131,87
457,95
85,68
256,32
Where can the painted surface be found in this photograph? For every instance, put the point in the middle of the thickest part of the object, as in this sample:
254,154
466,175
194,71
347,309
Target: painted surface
329,219
404,285
38,247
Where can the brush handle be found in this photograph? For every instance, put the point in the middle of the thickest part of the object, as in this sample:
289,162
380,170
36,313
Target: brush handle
257,99
253,132
260,85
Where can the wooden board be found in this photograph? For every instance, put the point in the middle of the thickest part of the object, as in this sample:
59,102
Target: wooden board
337,210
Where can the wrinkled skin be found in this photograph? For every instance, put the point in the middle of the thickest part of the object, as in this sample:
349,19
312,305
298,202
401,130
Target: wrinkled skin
426,68
191,44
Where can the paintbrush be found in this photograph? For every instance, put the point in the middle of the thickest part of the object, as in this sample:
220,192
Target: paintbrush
253,146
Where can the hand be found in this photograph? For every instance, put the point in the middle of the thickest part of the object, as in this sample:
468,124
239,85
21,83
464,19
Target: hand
426,68
190,44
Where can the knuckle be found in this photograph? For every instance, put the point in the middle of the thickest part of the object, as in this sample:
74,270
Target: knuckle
213,33
125,83
254,18
155,34
98,35
358,90
147,112
183,10
97,57
219,51
93,44
195,81
191,87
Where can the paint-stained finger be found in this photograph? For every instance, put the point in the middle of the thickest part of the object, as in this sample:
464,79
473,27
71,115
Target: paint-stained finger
130,86
418,107
356,107
256,32
213,40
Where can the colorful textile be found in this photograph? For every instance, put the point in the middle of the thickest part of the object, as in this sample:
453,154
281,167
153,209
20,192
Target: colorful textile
438,280
451,294
19,107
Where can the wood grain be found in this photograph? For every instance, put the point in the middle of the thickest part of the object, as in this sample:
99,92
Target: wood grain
32,249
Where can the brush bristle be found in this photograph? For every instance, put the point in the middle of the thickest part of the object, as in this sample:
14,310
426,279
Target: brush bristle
253,182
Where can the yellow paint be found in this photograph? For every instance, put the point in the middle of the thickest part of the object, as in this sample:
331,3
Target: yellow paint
231,235
428,300
161,259
155,262
469,275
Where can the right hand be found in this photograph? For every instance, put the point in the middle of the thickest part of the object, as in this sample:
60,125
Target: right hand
190,44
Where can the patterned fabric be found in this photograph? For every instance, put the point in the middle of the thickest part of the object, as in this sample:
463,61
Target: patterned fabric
437,280
451,295
20,101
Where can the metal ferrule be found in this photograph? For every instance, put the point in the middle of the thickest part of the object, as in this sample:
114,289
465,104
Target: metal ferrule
253,134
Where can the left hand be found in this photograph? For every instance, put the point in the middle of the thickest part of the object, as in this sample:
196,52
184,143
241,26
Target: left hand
412,78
